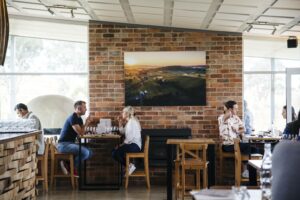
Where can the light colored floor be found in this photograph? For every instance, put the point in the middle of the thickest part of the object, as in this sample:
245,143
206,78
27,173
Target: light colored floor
133,193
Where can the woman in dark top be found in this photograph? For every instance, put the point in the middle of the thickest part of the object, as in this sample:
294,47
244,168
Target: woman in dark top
292,129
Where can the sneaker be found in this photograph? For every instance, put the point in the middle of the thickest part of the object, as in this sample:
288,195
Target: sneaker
245,174
63,168
131,168
76,173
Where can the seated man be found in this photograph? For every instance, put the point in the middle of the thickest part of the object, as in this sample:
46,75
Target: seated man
72,128
231,127
22,112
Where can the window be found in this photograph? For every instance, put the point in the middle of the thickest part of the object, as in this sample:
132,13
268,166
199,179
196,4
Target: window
36,67
265,88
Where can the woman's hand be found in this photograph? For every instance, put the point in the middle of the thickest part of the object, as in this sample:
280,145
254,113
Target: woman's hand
121,121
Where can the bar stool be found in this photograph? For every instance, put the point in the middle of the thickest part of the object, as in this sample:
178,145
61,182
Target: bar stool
143,155
43,159
192,159
55,158
238,162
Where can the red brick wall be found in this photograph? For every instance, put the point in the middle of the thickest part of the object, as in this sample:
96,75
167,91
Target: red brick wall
107,44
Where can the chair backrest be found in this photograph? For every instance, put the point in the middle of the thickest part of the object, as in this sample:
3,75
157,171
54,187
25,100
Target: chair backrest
146,146
47,145
193,151
237,162
52,144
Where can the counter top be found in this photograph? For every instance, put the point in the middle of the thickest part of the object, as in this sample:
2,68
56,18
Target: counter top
6,137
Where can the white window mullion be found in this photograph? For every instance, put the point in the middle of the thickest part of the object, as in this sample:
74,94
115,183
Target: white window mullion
272,90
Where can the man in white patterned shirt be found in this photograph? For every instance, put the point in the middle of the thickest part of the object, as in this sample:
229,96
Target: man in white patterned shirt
231,127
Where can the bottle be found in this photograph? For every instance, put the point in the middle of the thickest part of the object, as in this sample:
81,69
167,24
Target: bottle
266,174
272,129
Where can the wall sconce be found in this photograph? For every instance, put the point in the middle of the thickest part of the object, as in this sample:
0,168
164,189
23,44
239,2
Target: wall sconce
4,31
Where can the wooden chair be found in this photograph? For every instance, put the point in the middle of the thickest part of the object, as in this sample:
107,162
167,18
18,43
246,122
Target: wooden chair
55,158
223,156
192,159
43,159
143,155
238,162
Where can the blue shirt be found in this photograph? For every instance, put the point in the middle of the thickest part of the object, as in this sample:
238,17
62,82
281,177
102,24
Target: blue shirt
68,134
248,119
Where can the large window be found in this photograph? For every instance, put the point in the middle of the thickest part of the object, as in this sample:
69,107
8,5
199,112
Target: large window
36,67
265,90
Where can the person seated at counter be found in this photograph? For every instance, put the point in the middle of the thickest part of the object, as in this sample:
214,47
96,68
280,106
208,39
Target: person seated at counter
73,128
248,119
133,140
23,112
284,113
292,129
231,127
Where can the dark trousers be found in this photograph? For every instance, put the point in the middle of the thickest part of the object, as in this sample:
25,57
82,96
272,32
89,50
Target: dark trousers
246,148
119,154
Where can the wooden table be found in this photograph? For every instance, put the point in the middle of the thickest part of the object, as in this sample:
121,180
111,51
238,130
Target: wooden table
262,139
254,194
210,158
253,167
255,163
83,185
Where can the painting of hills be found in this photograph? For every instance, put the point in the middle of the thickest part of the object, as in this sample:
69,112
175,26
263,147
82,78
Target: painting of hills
165,78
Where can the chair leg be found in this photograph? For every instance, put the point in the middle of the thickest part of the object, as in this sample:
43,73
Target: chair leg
46,174
43,173
205,178
198,179
126,172
147,172
72,171
52,172
176,179
183,183
221,168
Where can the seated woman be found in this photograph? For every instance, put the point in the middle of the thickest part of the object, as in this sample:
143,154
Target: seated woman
292,129
231,127
132,142
294,116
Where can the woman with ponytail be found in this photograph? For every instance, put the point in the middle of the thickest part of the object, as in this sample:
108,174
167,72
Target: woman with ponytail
133,141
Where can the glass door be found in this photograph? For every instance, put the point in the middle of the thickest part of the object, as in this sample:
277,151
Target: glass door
292,92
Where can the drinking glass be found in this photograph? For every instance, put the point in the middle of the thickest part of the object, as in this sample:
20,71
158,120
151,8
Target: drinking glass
240,193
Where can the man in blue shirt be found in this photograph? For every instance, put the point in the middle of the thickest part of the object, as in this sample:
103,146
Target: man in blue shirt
74,127
248,119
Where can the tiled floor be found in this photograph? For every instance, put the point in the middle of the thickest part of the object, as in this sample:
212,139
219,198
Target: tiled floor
133,193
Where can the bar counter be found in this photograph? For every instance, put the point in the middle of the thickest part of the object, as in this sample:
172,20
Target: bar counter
18,165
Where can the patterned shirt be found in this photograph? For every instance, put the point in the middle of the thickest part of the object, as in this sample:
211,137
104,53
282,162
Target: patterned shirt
229,128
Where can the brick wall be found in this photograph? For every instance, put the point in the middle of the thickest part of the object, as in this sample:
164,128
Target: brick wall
107,44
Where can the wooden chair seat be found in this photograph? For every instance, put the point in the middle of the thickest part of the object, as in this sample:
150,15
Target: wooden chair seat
137,155
143,155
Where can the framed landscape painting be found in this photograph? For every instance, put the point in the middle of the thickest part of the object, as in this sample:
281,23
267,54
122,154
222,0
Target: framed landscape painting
169,78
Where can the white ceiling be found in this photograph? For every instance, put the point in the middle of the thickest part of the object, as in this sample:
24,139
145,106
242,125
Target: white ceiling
221,15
